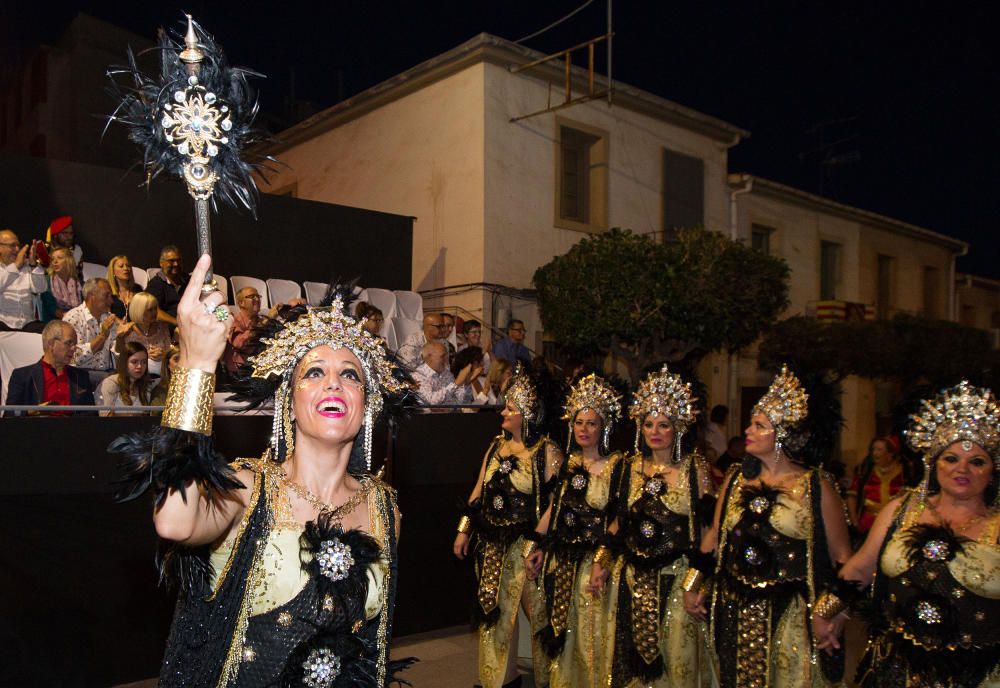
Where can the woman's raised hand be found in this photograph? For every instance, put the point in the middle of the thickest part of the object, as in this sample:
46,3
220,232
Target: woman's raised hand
202,335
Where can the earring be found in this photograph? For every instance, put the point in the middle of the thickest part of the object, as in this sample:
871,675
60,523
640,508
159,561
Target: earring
638,433
369,422
677,448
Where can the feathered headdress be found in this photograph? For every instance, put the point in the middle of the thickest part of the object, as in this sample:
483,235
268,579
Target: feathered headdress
786,405
663,393
594,393
522,393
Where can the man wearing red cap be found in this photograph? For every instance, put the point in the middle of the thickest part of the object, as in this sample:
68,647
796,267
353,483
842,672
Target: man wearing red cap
62,235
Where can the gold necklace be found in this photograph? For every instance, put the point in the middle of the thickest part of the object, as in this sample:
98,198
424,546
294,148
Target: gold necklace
336,513
951,524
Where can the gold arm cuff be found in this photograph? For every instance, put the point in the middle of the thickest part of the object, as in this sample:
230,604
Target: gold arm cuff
602,557
692,580
189,401
529,548
829,605
465,525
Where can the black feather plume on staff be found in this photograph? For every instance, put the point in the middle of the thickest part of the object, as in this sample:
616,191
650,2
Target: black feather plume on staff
144,101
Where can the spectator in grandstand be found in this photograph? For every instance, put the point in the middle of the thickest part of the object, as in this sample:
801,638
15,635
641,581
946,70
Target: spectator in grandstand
410,348
168,284
144,328
437,385
501,371
96,327
481,392
131,385
248,301
61,234
21,277
63,283
123,286
370,316
52,381
159,397
512,346
448,321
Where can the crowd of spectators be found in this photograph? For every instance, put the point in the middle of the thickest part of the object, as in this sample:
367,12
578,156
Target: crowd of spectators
107,340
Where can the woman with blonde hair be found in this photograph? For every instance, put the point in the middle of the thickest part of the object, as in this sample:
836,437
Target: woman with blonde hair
143,327
63,281
122,282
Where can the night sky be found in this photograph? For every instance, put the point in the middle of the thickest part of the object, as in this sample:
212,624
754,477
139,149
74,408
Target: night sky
888,107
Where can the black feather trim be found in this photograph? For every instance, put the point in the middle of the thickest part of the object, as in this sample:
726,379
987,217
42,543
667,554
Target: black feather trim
757,501
932,542
648,672
144,100
850,592
481,619
341,655
395,666
166,459
186,568
338,561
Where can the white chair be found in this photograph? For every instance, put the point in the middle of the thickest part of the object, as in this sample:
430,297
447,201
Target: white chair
404,327
17,349
282,290
239,282
151,273
315,291
389,334
409,304
140,277
91,270
383,299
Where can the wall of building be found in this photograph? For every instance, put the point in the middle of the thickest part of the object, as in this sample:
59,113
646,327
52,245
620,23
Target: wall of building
978,302
420,155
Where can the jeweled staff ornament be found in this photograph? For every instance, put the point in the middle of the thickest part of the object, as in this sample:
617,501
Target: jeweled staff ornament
195,122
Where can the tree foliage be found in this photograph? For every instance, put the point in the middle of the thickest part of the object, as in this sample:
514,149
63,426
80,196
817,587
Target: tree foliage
906,349
625,294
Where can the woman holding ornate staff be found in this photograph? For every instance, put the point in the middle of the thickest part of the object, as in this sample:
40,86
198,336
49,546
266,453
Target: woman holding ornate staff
665,495
286,563
778,534
508,513
934,555
579,635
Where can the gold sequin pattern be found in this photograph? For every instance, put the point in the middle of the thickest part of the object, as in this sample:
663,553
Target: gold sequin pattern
751,656
562,597
489,576
646,615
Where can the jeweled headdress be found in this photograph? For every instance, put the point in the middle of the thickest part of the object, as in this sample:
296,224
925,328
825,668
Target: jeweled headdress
594,393
962,413
285,339
786,405
663,393
522,393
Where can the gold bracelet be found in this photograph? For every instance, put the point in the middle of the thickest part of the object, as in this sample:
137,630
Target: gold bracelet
602,557
529,548
692,580
828,605
465,524
189,401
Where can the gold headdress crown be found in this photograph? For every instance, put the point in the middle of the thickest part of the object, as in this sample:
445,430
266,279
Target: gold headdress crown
785,404
592,392
332,327
664,393
962,413
521,392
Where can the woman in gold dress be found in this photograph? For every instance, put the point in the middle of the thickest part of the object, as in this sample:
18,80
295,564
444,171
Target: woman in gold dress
579,635
664,506
286,563
508,513
778,533
934,557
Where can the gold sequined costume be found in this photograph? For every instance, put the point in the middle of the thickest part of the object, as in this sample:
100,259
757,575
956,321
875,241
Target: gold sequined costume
936,607
658,644
579,636
511,502
771,556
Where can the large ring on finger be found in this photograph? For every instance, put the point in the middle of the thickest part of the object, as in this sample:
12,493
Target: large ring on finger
221,312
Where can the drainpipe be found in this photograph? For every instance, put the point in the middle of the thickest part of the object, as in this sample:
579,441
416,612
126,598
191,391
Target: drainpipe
732,380
952,291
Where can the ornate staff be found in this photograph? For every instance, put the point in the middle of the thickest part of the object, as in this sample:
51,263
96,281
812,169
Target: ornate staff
194,122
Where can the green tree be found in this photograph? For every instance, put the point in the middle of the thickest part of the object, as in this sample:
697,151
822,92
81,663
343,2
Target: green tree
647,302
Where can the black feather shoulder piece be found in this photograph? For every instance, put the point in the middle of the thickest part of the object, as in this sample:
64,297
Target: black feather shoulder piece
758,500
209,111
164,459
932,543
338,561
